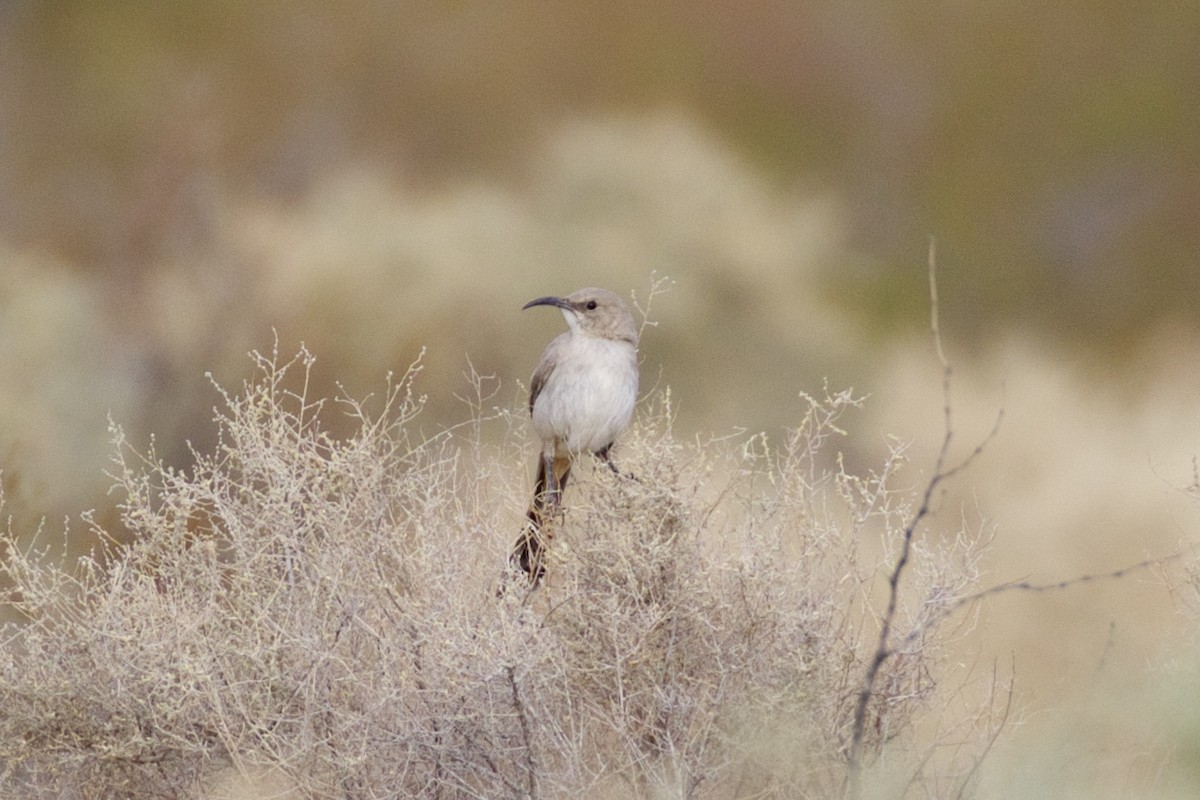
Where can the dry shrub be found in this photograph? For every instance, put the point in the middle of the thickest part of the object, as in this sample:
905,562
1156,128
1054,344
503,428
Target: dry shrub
322,613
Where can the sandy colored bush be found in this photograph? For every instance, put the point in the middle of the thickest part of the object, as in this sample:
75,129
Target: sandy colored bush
331,616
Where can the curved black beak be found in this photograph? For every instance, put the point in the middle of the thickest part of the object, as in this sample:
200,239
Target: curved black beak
558,302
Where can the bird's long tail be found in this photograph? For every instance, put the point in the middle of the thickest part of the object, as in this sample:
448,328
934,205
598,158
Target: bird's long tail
529,551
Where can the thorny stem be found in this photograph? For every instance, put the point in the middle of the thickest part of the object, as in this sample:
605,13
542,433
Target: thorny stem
530,765
940,473
1029,586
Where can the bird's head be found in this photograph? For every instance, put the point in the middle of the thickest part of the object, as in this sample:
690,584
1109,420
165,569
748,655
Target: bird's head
594,312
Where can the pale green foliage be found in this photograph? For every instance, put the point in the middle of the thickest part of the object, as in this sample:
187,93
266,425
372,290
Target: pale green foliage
330,611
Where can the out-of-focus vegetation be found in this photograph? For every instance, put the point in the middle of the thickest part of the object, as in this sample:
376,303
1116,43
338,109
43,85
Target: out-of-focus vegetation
1052,148
193,162
374,179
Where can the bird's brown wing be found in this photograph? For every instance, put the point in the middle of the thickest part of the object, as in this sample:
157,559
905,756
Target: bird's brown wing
545,368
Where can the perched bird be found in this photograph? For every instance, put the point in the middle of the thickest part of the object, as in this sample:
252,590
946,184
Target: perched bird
581,399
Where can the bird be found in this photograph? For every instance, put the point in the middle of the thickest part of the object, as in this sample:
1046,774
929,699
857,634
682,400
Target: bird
581,399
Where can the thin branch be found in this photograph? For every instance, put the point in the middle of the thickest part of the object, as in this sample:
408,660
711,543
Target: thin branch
1052,586
933,304
659,284
526,736
994,729
940,474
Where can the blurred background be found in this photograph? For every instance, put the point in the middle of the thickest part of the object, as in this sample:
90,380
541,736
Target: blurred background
183,182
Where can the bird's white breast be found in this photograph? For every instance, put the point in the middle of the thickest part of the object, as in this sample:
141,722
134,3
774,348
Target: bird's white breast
587,401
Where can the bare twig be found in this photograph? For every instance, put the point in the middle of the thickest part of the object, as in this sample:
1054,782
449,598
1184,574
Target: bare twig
994,728
1051,586
941,473
659,284
531,770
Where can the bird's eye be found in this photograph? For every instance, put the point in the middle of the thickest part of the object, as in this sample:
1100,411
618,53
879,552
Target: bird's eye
591,305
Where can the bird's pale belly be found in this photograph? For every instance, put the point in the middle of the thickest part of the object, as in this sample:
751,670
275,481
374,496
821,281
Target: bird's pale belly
586,408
